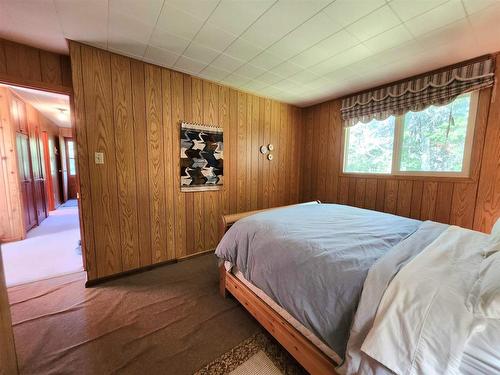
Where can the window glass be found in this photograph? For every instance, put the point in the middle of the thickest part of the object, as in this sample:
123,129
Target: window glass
369,147
434,139
72,167
71,151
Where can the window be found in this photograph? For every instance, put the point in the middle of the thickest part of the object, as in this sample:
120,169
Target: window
435,141
71,158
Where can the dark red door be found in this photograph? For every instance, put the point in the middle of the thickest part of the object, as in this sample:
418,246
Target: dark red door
26,179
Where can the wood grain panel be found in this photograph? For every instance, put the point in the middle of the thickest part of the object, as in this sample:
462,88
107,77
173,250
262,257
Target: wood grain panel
443,202
234,154
97,94
359,200
84,158
125,161
50,67
429,197
488,195
158,209
463,204
404,198
391,196
380,203
344,190
171,178
371,193
416,199
141,161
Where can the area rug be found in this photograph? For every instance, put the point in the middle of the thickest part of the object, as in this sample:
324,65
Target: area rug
260,354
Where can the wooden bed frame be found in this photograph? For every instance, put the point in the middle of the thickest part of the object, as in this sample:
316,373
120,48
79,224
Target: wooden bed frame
299,346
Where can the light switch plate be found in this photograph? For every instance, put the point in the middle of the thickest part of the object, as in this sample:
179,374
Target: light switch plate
99,157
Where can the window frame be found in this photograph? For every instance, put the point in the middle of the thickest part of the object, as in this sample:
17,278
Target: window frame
398,140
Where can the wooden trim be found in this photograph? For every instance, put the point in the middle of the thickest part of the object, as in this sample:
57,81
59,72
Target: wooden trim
35,85
119,275
299,346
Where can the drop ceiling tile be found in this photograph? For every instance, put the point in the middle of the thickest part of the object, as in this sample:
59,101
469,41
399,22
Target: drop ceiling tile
200,9
304,77
436,18
270,78
287,69
473,6
375,23
188,65
176,22
408,9
165,40
346,12
235,80
457,32
32,23
85,21
254,85
280,19
160,56
287,86
249,71
486,28
342,59
314,30
328,47
125,26
235,16
214,74
213,37
201,53
266,60
388,39
127,46
227,62
243,50
342,75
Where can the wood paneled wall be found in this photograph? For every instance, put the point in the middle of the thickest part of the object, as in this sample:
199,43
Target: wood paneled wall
470,203
134,213
31,67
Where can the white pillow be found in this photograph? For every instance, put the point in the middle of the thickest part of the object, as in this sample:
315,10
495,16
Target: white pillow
487,304
495,231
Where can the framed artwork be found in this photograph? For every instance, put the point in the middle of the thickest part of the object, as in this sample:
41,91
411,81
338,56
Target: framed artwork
202,157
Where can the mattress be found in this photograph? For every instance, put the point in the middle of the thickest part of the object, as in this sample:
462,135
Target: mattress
330,353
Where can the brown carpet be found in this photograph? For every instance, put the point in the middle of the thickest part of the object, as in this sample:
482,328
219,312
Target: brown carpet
170,320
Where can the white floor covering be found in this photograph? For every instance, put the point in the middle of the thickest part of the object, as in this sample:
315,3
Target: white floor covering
258,364
51,249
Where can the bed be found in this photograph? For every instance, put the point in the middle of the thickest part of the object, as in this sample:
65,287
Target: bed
300,271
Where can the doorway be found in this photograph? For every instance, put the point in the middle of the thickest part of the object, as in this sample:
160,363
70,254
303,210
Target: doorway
44,240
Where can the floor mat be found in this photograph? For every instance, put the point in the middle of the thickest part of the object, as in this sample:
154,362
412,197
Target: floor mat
258,355
170,320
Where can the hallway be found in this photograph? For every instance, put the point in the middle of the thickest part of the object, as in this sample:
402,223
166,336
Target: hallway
49,250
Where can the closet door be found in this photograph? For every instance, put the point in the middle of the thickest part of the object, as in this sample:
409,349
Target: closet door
26,180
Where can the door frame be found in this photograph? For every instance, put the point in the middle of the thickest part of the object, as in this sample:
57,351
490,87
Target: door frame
57,89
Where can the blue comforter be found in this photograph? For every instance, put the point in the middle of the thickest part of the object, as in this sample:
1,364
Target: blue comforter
312,260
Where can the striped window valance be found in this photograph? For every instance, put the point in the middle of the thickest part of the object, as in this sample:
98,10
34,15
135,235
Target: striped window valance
437,88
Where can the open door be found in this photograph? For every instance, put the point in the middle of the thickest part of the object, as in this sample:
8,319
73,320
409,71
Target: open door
26,180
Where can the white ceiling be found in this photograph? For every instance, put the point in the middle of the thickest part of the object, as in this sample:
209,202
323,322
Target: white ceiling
297,51
53,106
